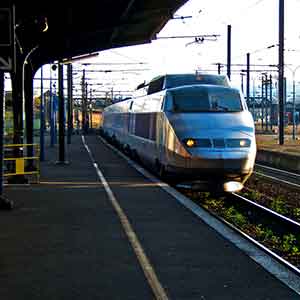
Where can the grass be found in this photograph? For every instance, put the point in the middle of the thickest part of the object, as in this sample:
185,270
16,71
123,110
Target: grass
287,245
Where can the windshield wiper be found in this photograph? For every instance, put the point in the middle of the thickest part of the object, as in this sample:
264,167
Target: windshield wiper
220,108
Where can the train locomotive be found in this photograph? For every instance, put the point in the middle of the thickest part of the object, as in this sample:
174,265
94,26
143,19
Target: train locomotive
193,129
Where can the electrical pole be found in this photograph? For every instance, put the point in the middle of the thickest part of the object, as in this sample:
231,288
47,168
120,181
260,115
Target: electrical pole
91,109
84,103
281,72
248,79
70,102
219,68
61,115
229,51
271,104
52,112
262,102
266,102
242,82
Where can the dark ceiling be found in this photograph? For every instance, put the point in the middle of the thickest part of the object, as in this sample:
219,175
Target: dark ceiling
77,28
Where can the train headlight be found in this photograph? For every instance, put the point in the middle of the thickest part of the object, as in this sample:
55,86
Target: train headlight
238,143
243,143
232,186
190,142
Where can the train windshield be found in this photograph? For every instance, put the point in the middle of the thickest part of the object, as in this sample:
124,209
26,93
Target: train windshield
205,100
191,79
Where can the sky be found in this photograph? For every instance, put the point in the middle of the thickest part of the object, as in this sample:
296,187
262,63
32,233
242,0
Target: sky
254,28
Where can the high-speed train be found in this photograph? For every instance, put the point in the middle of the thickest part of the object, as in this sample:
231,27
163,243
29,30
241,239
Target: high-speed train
194,129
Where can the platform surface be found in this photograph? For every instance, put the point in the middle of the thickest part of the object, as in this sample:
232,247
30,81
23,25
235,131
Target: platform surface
64,239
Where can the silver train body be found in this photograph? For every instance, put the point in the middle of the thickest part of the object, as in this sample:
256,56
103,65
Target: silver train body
199,134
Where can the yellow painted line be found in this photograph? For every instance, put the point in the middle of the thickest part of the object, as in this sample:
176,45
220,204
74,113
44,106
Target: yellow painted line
157,289
69,183
19,145
24,173
16,158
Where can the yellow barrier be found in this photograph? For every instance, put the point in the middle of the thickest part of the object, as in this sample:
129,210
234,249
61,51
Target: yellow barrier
16,163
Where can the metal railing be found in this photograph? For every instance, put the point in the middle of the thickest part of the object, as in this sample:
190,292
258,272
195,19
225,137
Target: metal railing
22,159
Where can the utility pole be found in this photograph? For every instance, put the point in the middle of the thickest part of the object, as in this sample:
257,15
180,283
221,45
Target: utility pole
70,102
271,104
294,99
84,103
229,51
281,72
266,102
61,115
219,68
242,82
52,112
254,96
248,79
262,102
91,108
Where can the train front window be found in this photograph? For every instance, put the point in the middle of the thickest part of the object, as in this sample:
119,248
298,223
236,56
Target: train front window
192,79
195,100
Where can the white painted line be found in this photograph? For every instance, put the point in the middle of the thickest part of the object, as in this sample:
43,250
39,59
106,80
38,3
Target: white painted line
149,272
267,262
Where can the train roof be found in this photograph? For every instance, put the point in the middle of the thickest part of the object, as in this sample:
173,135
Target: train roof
204,87
167,81
172,80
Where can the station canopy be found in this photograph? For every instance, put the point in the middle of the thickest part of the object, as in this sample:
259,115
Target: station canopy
65,29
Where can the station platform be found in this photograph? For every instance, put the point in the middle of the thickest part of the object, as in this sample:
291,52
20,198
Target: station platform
74,236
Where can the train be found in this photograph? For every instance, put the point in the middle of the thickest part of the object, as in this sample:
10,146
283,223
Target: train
192,129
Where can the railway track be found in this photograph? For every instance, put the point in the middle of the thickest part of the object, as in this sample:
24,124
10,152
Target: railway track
258,215
281,176
278,221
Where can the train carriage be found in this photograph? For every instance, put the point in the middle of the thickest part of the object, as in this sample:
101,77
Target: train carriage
200,134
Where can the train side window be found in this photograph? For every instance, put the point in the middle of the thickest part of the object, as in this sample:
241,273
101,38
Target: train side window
156,85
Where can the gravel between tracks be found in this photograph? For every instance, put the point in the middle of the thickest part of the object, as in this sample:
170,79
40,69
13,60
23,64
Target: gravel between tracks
277,196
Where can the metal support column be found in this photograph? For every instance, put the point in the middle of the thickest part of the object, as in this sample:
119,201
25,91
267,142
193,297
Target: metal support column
70,102
52,109
219,68
229,51
242,82
83,106
266,103
281,72
28,98
248,79
4,203
271,103
254,98
17,81
61,115
262,102
42,120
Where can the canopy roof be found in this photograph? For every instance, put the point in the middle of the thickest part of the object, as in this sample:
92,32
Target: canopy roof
64,29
